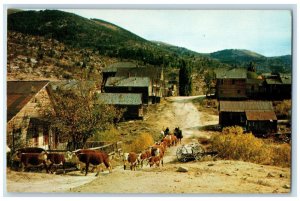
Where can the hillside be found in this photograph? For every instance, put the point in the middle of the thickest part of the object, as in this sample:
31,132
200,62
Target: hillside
103,37
236,57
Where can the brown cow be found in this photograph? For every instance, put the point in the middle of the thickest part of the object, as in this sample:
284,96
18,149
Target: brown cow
145,155
174,140
93,157
132,158
157,151
55,159
154,160
33,160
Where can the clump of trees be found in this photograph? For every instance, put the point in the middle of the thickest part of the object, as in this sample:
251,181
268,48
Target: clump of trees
185,79
78,114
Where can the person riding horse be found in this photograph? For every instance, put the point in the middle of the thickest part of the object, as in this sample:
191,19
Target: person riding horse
178,134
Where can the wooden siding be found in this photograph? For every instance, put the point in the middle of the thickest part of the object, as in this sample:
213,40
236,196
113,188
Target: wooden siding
231,88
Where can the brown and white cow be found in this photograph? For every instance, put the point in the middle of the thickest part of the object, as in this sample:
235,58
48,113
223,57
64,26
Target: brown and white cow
33,160
132,158
86,157
145,155
157,155
55,159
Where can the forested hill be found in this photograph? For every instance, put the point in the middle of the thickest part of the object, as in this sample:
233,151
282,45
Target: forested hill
103,37
110,40
236,57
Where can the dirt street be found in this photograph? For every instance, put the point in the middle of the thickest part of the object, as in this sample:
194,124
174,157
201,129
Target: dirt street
207,176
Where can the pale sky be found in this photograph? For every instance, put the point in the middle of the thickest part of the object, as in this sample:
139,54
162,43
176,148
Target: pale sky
267,32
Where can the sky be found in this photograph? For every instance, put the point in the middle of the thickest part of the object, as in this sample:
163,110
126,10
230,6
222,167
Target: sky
267,32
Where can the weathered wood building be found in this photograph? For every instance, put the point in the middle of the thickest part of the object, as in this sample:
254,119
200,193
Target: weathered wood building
278,86
231,84
25,103
131,102
135,85
256,116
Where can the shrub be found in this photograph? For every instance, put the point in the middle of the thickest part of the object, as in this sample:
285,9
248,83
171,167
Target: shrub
109,135
247,147
233,130
140,143
283,108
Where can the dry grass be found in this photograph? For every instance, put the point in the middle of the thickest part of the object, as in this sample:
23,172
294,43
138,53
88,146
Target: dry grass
139,144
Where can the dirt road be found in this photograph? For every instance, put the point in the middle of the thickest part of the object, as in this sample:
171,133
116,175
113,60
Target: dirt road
202,177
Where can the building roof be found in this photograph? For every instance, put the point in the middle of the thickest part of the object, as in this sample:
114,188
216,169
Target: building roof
127,82
273,81
120,98
286,78
235,73
115,66
260,115
149,71
241,106
19,93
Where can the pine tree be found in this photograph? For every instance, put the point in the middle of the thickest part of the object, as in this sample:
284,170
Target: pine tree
185,79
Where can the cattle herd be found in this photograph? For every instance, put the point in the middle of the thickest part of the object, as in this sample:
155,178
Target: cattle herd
85,158
152,156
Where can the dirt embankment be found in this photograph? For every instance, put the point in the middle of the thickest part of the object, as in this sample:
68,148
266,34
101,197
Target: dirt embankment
206,176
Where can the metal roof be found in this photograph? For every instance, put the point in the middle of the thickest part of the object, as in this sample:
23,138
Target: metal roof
260,115
115,66
149,71
286,78
128,82
19,93
120,98
236,73
241,106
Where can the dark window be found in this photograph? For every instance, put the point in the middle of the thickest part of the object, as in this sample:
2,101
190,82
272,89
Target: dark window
233,81
221,81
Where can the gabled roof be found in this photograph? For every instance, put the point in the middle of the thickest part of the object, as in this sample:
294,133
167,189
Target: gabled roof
242,106
19,93
127,82
236,73
120,98
260,115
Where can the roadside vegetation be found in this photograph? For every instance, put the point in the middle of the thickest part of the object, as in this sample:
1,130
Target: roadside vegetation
233,144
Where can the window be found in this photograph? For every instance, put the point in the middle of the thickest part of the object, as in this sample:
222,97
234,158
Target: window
221,81
233,81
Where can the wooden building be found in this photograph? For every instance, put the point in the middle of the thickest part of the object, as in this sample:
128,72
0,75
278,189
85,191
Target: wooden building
278,86
132,103
155,74
231,84
137,85
25,102
255,116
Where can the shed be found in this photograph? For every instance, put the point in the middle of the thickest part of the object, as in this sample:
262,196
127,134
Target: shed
139,85
131,102
256,116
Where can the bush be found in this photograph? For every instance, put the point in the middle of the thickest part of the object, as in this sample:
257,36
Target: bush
247,147
283,108
140,143
233,130
109,135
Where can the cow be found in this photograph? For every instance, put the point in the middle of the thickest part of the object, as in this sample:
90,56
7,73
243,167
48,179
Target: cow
157,154
145,155
174,140
33,160
132,158
85,157
154,160
16,157
167,140
55,159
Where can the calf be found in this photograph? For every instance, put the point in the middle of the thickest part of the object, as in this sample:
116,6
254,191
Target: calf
33,160
55,159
